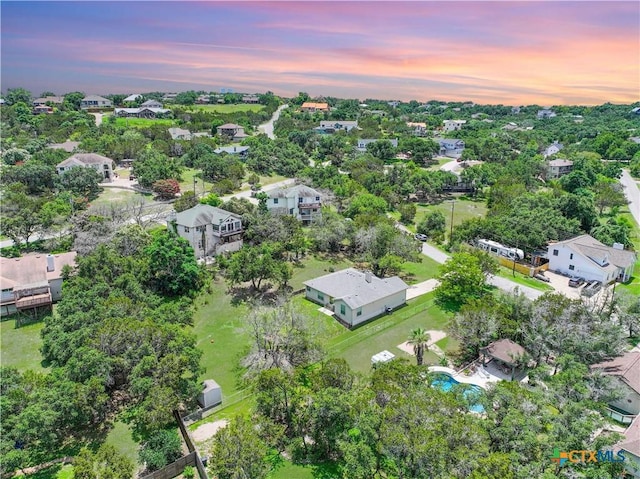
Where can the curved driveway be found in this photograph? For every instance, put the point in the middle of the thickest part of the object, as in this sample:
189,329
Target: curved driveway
632,193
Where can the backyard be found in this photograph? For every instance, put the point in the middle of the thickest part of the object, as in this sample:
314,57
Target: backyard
21,346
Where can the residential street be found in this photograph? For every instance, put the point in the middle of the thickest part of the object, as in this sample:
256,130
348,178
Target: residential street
267,128
632,193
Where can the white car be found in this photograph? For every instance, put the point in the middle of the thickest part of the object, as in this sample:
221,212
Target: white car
420,237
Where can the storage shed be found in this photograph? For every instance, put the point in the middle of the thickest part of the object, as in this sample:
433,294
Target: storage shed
211,395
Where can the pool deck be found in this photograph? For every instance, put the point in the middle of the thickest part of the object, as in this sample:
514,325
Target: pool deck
482,377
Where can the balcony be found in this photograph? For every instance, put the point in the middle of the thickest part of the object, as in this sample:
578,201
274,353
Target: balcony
316,204
33,301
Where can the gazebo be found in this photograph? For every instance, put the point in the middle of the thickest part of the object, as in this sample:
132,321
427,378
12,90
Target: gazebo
508,354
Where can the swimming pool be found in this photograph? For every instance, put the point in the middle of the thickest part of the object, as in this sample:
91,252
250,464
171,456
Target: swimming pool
445,382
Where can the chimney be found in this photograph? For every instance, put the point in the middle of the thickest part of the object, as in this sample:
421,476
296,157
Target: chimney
51,266
619,246
367,276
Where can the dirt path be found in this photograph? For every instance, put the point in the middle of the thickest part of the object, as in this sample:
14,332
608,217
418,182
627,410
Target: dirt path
208,430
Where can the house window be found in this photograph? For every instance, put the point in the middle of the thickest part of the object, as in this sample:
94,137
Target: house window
290,211
359,312
186,229
321,296
201,228
275,201
216,227
343,310
300,200
571,256
106,167
308,288
555,252
223,228
572,267
317,198
199,244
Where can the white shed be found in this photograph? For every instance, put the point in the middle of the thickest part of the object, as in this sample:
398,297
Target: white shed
211,395
382,357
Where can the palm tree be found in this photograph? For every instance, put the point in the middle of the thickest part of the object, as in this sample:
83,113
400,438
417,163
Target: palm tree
419,339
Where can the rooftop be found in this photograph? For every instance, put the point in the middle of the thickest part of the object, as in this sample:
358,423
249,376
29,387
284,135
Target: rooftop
505,350
32,269
599,252
203,215
85,159
298,190
352,287
626,367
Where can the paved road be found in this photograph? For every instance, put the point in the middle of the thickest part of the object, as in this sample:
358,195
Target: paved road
267,128
632,193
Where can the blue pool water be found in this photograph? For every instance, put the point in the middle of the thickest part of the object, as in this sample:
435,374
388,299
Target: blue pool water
445,383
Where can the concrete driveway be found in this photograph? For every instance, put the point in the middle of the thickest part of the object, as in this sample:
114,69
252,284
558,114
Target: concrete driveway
561,285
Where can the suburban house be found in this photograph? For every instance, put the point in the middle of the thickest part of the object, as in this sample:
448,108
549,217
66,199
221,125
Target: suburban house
552,149
311,107
241,151
626,369
355,296
95,101
546,113
32,281
363,142
151,104
179,134
170,97
250,99
452,125
232,131
450,147
142,112
417,128
132,98
40,109
67,146
209,230
101,164
300,201
586,257
630,445
53,100
559,167
331,126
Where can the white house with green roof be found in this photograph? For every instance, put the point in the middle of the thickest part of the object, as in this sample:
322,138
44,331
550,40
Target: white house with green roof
209,230
356,296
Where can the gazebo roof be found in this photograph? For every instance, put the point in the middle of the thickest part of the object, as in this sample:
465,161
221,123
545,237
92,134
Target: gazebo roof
505,350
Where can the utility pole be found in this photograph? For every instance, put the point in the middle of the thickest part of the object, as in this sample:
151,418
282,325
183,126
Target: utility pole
453,204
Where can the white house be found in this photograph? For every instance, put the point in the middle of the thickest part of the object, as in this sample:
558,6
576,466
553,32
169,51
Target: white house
355,296
559,167
241,151
232,131
452,125
546,113
95,101
630,446
209,230
32,281
134,97
363,142
102,164
417,128
142,112
300,201
586,257
179,134
552,149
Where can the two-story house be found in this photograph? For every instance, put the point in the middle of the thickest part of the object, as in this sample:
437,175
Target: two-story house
102,164
452,125
232,131
95,101
209,230
552,149
300,201
546,113
142,112
251,99
241,151
559,167
151,104
417,128
32,281
586,257
48,100
331,126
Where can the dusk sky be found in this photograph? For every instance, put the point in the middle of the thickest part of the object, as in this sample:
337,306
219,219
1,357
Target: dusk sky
488,52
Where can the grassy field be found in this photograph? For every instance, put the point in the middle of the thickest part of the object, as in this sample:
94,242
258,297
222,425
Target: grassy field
441,161
463,209
633,286
110,195
417,272
120,438
141,122
316,265
54,472
21,346
221,108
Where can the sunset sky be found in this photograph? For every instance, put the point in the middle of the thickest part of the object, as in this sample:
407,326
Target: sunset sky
547,53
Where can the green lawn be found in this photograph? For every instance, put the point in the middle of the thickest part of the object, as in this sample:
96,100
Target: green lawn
463,209
417,272
633,286
21,346
441,161
57,471
222,108
314,266
522,279
140,122
120,437
110,195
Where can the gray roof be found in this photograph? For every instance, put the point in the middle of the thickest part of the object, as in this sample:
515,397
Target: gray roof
203,215
176,133
86,159
626,367
231,149
95,98
560,162
151,102
593,249
351,286
299,190
67,146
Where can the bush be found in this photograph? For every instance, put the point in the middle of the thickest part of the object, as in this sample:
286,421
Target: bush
166,189
163,447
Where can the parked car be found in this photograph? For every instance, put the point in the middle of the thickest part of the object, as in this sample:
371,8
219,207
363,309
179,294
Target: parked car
542,277
575,282
420,237
592,288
